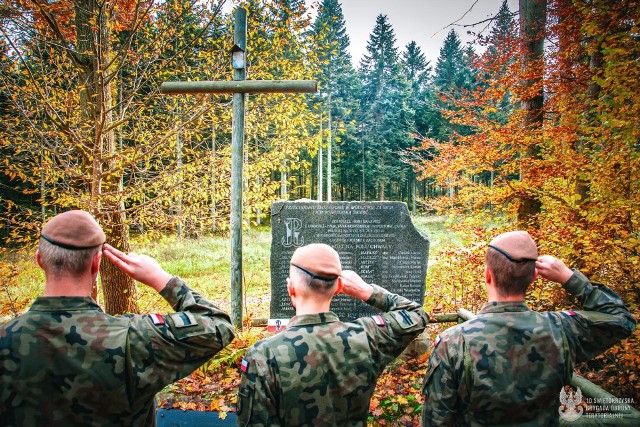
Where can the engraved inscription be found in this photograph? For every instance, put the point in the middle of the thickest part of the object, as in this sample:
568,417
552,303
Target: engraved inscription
376,239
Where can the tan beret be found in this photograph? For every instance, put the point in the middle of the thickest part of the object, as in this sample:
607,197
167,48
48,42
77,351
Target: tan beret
73,230
318,260
517,246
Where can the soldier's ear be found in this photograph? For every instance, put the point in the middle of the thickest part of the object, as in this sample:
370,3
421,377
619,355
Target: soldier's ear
95,262
290,288
339,286
488,276
38,258
292,292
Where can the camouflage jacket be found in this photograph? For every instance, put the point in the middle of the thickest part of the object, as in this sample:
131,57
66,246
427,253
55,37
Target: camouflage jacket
67,363
322,372
508,365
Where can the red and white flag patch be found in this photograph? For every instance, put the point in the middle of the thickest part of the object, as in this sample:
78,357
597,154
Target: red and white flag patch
379,320
437,341
157,319
244,365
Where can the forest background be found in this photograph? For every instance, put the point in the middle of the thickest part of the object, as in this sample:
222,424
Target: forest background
536,126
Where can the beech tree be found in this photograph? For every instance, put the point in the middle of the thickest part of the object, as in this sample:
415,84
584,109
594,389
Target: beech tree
584,171
83,75
533,17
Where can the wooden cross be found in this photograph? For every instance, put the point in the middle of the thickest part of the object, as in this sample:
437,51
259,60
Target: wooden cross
239,86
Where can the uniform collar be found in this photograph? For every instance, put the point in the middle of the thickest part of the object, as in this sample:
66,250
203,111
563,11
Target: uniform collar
504,306
64,303
313,319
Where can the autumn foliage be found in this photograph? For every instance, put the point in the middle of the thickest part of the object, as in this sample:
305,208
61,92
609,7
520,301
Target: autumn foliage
584,176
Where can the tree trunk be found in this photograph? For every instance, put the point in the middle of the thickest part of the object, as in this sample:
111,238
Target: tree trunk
95,98
179,195
329,154
533,16
585,143
320,166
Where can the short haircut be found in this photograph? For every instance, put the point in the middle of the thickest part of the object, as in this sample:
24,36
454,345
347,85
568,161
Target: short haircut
57,260
324,287
511,278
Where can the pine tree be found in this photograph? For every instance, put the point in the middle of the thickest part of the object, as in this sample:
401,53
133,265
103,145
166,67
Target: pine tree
502,44
337,84
449,72
416,67
417,70
386,116
452,75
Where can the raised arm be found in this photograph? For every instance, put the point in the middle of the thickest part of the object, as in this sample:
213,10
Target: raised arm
602,319
400,322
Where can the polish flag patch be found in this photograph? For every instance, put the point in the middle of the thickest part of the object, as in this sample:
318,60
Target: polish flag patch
157,319
244,365
569,312
379,320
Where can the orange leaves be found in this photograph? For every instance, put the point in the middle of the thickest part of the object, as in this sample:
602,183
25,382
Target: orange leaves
397,399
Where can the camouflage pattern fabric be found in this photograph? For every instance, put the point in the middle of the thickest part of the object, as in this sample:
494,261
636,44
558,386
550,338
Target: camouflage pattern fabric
320,371
509,364
67,363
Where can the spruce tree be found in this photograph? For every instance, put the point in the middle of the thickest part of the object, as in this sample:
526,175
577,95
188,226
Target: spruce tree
386,114
337,99
417,70
449,71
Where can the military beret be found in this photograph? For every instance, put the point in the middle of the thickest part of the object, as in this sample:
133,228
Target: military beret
73,230
517,246
318,260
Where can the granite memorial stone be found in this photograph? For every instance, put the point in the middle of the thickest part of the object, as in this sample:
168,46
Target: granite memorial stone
375,239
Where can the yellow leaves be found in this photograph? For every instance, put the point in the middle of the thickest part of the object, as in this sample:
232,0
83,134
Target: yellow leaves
401,400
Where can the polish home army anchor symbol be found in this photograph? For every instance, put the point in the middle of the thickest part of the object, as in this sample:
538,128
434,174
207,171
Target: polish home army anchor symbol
292,235
239,87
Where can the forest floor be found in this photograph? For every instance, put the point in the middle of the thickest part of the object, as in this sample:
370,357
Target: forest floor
204,264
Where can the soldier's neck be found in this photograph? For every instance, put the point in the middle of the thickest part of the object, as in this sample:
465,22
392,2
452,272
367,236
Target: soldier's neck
312,307
64,286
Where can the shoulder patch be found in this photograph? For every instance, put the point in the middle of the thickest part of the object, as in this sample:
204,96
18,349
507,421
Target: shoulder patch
156,319
379,320
183,319
244,365
405,320
569,313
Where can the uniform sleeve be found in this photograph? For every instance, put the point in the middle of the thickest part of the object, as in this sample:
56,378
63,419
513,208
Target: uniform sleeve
602,321
165,348
257,401
392,331
441,383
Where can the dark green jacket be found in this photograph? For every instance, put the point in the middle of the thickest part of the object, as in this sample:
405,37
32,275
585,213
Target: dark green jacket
322,372
67,363
508,365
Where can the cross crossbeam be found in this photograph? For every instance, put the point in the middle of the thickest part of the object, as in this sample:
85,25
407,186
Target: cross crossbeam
240,86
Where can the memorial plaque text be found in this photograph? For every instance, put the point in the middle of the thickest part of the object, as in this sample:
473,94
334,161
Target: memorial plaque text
375,239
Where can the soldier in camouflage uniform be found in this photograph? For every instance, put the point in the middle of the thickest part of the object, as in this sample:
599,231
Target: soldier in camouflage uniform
67,363
320,371
508,365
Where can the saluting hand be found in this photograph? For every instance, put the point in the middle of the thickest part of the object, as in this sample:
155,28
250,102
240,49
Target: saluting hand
353,285
142,268
551,268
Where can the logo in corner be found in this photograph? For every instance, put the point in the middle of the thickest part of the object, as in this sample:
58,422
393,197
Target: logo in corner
571,406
